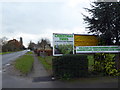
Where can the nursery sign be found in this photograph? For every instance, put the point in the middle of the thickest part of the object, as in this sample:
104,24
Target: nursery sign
85,40
97,49
68,43
62,44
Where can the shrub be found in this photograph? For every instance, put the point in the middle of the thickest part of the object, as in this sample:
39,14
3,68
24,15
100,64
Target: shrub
105,63
70,66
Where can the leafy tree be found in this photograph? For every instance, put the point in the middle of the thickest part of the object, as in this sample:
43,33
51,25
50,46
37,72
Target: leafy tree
104,20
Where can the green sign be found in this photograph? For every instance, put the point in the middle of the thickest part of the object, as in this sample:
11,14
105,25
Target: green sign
63,35
97,49
62,44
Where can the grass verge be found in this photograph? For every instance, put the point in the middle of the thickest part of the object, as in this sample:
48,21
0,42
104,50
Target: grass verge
5,53
90,61
8,52
47,62
24,64
29,52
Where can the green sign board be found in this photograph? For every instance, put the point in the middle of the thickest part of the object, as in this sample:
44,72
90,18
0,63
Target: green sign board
97,49
62,44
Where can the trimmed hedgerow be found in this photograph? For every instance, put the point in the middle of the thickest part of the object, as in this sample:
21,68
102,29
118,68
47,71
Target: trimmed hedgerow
70,66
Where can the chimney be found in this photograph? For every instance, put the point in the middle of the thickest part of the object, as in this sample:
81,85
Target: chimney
21,41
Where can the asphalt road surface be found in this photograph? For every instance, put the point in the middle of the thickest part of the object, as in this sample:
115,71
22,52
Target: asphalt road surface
6,58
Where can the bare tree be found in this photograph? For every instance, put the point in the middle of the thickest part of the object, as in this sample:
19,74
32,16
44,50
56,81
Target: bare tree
31,45
3,41
43,43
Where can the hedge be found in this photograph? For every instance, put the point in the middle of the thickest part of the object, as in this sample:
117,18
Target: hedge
70,66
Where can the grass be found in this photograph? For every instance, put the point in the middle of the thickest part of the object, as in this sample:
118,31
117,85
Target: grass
47,63
29,52
5,53
24,64
90,61
2,53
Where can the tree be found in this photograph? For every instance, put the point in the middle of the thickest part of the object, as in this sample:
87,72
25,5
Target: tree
31,45
43,43
3,41
104,21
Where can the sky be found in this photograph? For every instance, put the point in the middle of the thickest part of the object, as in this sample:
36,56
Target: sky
33,20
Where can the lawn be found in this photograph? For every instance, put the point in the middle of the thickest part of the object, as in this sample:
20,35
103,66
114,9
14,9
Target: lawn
24,64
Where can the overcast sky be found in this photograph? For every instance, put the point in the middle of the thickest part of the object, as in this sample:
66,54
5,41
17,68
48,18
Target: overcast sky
36,20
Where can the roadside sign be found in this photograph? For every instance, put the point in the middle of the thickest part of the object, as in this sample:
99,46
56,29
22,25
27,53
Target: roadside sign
97,49
67,43
62,44
85,40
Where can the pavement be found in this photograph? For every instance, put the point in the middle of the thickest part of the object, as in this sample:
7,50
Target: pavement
38,69
11,81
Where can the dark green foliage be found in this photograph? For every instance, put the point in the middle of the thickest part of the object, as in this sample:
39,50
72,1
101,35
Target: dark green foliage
104,20
70,66
105,63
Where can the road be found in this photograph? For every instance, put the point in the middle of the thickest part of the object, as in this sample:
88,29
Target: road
6,58
11,81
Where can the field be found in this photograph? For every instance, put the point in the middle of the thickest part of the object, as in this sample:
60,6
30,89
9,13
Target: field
24,64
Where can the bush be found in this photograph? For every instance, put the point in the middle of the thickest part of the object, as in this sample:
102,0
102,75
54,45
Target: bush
70,66
105,63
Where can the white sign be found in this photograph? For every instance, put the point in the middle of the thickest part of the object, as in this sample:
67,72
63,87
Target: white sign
62,44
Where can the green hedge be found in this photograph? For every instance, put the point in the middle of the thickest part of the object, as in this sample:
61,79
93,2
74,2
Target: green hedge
70,66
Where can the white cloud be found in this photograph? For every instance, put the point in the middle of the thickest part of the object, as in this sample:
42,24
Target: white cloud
34,21
75,3
0,18
33,0
36,37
